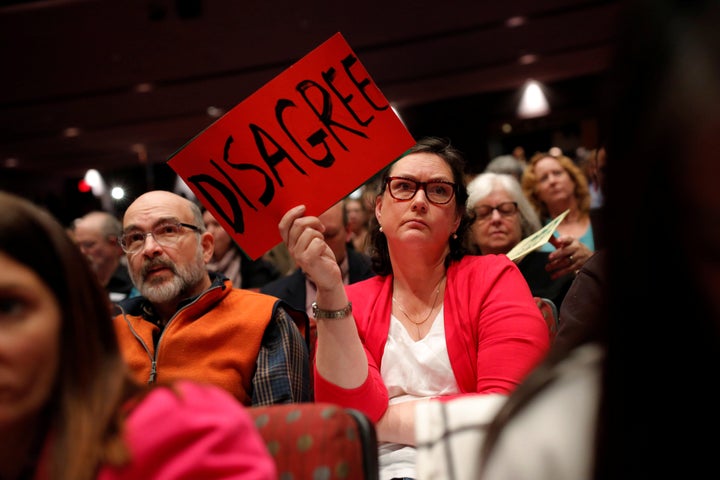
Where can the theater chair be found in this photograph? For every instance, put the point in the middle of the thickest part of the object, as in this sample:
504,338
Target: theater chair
318,440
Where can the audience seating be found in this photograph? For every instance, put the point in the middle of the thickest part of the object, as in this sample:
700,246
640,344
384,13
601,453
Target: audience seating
318,441
550,314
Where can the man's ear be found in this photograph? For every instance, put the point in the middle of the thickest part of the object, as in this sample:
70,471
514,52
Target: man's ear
208,245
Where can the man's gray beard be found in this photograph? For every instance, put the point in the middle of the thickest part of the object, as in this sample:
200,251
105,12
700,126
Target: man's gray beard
184,280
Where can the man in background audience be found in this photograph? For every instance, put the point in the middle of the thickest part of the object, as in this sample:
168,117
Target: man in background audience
97,235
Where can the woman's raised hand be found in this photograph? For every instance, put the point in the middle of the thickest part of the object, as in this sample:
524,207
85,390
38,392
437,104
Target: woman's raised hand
304,238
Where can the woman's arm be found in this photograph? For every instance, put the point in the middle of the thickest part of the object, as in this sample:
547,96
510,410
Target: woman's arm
340,356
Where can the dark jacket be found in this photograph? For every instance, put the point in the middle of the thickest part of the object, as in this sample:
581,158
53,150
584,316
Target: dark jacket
541,285
584,300
292,287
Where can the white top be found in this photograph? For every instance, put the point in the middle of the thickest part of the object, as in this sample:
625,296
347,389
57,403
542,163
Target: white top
413,370
552,438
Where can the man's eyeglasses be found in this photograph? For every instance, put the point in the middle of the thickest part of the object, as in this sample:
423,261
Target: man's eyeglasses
438,192
165,234
505,209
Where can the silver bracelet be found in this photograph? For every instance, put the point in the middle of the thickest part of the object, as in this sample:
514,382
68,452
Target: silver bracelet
320,313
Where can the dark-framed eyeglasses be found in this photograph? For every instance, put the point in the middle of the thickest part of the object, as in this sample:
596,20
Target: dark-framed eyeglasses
165,234
438,192
505,209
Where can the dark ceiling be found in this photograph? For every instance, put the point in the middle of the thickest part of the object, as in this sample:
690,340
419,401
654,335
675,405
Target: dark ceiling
121,85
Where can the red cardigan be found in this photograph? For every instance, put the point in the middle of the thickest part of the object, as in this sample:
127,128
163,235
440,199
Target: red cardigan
493,329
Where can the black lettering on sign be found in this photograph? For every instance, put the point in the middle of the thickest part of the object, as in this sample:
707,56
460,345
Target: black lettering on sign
268,192
237,222
294,119
348,62
324,111
315,139
329,77
271,160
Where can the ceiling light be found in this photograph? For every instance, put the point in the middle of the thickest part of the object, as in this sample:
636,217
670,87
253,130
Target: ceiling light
144,87
532,102
516,21
118,193
527,59
214,112
71,132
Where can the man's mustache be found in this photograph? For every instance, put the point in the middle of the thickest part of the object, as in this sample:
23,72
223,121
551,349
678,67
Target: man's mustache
155,263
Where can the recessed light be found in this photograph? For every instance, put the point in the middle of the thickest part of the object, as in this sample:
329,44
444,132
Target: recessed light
527,59
71,132
214,112
533,102
144,87
516,21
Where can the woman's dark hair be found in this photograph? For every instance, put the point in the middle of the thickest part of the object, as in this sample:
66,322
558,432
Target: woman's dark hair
92,383
454,158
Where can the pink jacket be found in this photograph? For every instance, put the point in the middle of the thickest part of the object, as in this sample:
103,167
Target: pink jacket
494,331
203,432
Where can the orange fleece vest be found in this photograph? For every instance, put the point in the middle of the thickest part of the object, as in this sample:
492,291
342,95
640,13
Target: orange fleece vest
215,339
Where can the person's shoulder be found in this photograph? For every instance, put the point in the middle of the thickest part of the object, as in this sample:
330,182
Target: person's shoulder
372,283
120,281
490,261
247,295
482,269
571,401
535,257
193,394
186,429
358,257
596,263
186,394
174,402
278,286
130,305
258,272
360,266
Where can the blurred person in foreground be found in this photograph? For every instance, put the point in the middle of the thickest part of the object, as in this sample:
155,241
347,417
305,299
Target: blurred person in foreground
69,409
633,394
434,322
191,323
583,301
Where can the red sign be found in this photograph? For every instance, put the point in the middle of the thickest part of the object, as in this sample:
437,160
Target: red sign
311,136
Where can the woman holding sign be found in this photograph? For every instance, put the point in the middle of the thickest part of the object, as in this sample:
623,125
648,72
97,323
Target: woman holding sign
433,322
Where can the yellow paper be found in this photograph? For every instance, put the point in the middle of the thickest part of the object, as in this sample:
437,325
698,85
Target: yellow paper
536,240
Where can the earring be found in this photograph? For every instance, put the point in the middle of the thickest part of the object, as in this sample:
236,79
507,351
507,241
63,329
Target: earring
454,236
381,228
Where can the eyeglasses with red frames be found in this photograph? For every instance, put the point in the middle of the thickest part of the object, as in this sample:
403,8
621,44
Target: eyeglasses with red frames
438,192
